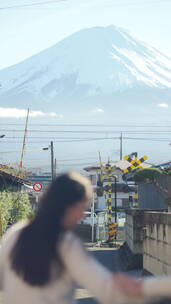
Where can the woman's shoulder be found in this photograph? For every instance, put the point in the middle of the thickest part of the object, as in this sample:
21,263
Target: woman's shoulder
12,233
69,240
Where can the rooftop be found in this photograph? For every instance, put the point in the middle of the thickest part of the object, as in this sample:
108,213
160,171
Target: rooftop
121,164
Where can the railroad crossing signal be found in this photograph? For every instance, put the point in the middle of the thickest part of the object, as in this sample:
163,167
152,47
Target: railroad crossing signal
108,176
135,163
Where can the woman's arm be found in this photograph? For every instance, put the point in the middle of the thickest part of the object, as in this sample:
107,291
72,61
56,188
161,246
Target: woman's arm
6,244
2,261
157,286
89,273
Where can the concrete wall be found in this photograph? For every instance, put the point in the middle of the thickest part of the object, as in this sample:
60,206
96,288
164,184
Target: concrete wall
134,230
149,233
157,242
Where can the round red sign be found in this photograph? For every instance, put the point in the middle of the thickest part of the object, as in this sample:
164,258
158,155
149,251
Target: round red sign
37,187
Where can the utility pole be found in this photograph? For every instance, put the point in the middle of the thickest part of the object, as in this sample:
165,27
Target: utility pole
92,217
52,159
121,139
115,198
24,140
55,167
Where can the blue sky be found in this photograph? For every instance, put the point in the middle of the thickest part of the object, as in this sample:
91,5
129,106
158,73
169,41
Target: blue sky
26,31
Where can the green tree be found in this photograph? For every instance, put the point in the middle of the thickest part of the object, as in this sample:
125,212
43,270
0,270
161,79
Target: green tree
14,206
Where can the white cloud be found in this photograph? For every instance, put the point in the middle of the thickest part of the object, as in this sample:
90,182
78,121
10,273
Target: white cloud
20,113
98,111
162,105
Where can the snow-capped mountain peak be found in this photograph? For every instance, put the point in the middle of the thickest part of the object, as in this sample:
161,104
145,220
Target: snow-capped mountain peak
94,61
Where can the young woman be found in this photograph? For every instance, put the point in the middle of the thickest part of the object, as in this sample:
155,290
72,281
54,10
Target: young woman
42,260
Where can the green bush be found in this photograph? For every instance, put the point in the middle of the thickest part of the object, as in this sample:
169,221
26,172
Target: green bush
146,175
14,206
21,207
5,208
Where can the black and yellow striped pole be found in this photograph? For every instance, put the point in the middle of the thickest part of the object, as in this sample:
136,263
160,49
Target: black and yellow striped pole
111,227
135,200
109,210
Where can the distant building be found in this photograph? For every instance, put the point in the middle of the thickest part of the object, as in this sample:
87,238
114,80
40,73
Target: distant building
124,190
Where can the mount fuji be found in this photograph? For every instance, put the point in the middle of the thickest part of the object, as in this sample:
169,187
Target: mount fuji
95,67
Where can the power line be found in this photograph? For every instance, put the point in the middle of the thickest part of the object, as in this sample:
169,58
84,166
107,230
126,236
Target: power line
57,131
66,160
93,125
44,137
31,4
90,131
2,152
132,3
91,139
80,164
149,139
66,141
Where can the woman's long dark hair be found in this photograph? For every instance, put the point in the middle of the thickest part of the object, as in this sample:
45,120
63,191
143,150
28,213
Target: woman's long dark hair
36,247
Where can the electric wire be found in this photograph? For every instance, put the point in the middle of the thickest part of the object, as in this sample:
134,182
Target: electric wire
89,131
91,125
32,4
119,4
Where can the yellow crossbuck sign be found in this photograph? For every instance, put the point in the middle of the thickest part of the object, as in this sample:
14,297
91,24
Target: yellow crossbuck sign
135,163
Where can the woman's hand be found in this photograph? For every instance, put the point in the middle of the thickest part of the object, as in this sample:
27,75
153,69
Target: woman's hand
128,285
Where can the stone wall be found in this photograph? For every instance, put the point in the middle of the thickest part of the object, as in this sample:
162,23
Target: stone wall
134,230
148,233
157,243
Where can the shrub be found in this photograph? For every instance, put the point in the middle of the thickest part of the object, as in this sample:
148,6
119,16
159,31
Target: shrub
146,175
14,206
